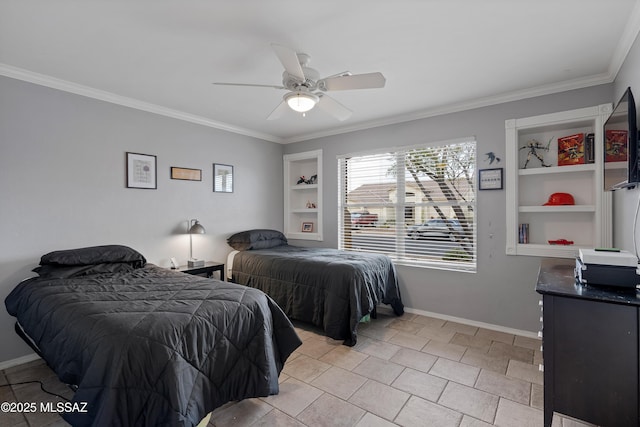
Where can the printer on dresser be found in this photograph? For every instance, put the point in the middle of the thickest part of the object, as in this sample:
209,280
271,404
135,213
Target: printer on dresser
590,348
607,267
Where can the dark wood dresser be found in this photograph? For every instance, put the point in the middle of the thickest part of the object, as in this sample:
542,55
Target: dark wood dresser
590,348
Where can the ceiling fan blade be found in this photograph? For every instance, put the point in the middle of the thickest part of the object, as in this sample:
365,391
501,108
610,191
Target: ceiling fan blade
356,81
278,111
342,74
289,60
333,107
248,84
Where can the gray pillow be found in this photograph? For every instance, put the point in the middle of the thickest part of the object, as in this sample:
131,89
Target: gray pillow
256,239
95,255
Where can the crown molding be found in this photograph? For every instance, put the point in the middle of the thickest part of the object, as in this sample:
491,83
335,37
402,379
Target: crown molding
67,86
631,31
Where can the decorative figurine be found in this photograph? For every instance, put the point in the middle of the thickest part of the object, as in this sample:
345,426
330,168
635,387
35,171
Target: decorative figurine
533,146
312,180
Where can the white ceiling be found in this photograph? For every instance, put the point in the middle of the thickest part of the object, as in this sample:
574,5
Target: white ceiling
437,55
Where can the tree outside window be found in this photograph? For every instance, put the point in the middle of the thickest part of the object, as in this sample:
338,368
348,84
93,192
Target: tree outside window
423,202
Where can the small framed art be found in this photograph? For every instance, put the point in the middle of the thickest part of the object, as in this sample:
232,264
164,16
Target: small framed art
141,171
307,227
222,178
186,174
490,179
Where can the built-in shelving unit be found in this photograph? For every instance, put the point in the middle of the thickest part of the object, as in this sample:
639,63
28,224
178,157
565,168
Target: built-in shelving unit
587,223
303,201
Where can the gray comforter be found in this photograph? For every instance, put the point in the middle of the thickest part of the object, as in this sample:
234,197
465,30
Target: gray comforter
330,288
152,347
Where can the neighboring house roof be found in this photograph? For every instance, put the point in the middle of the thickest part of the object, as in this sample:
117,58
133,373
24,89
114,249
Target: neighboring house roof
380,192
371,193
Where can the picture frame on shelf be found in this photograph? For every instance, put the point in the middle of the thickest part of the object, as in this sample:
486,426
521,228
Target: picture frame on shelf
186,174
141,171
307,227
222,178
490,179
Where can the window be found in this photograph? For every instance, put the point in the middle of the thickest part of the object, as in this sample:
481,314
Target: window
415,204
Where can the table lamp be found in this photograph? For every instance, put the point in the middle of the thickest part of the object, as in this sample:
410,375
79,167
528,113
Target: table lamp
194,228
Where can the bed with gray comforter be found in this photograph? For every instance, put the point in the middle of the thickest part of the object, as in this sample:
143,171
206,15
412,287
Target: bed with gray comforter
329,288
147,346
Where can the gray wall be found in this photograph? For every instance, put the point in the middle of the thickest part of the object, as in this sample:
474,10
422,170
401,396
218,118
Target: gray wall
502,291
62,184
625,201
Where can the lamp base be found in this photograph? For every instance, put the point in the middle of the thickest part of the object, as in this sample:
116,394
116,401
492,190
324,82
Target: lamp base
195,263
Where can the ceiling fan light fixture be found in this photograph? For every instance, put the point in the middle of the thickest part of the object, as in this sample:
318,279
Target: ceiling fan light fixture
301,101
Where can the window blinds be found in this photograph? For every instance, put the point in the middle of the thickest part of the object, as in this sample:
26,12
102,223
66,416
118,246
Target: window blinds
415,204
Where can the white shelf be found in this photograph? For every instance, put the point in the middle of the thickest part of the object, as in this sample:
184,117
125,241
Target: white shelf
554,251
303,187
304,236
549,209
298,196
557,169
588,222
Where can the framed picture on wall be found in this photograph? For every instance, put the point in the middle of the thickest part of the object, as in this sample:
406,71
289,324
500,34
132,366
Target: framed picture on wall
222,178
307,227
141,171
186,174
490,179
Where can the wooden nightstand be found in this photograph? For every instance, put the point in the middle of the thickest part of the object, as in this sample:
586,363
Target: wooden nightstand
208,269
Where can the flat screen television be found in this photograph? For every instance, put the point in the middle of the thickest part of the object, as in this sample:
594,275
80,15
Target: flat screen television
621,145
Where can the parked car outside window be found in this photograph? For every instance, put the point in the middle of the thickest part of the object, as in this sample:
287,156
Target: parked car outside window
363,219
436,229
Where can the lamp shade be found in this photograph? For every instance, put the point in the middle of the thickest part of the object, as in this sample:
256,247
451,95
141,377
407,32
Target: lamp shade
196,228
301,101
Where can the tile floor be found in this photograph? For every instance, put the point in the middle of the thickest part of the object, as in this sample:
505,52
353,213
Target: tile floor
408,371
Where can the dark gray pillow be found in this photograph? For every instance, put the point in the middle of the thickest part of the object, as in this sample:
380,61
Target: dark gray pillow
95,255
256,239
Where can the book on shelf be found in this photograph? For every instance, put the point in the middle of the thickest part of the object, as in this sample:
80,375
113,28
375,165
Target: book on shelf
523,233
571,150
589,148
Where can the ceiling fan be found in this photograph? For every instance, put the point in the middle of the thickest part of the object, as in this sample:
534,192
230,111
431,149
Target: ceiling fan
306,89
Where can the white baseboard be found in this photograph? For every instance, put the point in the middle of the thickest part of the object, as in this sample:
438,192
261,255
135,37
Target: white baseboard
18,361
490,326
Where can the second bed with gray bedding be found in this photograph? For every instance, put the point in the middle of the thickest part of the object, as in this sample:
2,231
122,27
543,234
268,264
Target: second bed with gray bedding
327,287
